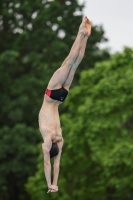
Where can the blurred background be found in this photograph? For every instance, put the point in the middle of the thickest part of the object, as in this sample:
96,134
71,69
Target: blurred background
116,19
96,118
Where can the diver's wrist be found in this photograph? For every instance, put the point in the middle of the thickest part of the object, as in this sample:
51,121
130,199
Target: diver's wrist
49,185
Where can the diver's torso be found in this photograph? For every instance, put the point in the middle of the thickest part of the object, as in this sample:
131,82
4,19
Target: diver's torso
49,122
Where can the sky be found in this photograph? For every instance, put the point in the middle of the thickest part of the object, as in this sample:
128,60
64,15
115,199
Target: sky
116,17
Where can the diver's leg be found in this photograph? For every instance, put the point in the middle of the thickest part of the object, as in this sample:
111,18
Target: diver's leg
60,76
70,76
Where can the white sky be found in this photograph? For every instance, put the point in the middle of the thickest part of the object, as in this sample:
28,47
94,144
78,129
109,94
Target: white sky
116,17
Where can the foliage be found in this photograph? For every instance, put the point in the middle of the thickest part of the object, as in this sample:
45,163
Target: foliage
17,158
43,32
97,129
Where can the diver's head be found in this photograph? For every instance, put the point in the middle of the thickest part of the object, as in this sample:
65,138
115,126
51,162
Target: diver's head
54,150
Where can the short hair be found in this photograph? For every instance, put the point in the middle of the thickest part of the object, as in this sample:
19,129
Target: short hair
54,150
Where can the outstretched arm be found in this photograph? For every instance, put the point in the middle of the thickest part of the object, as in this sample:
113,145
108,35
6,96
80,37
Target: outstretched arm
56,168
54,187
47,165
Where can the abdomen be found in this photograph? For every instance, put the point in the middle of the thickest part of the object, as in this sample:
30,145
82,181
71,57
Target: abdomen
48,118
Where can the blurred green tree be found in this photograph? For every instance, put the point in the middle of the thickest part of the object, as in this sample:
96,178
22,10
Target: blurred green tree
35,37
98,133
